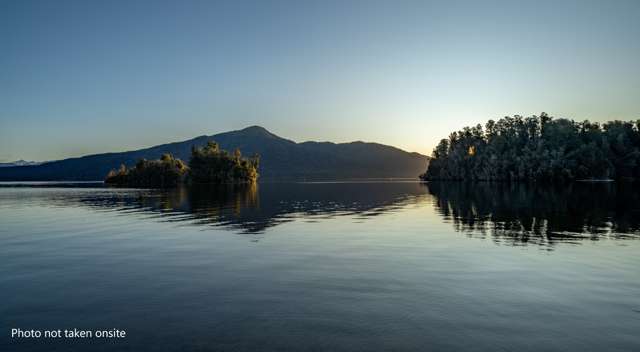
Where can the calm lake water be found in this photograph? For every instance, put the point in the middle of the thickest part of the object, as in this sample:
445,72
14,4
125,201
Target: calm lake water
324,267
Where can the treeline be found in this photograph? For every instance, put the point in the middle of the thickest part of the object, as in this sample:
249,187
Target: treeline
538,148
208,164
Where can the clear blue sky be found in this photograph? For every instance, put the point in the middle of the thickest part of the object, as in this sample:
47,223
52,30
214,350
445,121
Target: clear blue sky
79,77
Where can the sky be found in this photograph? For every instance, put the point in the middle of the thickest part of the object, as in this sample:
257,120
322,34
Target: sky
83,77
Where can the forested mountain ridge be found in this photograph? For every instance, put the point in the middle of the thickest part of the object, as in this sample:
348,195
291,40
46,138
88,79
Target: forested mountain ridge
281,159
538,148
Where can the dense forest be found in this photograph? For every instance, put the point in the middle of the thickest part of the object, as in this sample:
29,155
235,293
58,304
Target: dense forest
538,148
207,165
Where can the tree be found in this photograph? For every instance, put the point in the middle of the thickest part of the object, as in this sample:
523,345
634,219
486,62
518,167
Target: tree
210,164
538,148
165,172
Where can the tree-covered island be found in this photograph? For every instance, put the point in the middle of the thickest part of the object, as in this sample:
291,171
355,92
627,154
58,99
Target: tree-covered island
538,148
207,165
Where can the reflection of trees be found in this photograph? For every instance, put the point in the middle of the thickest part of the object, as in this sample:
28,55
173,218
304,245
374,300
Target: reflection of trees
252,208
528,213
513,213
221,205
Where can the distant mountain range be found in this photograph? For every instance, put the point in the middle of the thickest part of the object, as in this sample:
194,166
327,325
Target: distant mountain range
280,159
20,163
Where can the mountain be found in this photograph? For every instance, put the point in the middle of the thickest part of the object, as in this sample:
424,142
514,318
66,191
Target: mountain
280,159
20,163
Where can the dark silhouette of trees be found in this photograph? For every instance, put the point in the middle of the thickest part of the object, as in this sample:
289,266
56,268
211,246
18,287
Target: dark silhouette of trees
208,164
166,172
538,148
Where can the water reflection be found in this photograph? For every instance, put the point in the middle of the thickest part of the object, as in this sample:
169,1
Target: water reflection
507,213
520,213
253,209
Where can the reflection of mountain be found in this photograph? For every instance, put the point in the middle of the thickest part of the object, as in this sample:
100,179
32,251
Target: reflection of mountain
522,213
252,209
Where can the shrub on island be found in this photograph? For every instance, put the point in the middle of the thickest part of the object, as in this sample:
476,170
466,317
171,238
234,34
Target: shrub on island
163,173
207,165
210,164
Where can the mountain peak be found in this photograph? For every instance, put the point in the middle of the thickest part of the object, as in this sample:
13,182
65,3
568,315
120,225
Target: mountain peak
20,162
256,131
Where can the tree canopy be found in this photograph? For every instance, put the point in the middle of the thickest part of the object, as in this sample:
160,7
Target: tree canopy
538,148
166,172
208,164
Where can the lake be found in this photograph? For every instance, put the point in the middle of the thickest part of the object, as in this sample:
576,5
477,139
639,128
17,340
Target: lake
339,266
